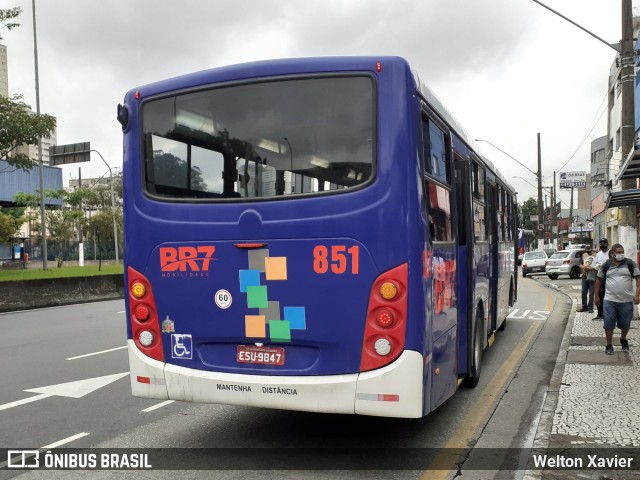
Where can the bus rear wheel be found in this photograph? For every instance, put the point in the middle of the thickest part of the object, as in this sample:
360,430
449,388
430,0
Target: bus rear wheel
476,361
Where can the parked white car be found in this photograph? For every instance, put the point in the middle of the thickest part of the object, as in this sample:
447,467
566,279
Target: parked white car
533,262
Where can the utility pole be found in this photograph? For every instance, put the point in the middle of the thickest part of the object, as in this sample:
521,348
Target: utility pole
540,209
628,221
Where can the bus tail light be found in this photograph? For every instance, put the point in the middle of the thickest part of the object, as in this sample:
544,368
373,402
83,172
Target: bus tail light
386,323
143,316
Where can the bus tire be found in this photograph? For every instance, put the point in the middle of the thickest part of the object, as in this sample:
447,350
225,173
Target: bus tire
503,325
476,360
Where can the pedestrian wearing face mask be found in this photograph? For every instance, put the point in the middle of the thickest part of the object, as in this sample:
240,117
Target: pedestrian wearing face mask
601,257
588,279
620,296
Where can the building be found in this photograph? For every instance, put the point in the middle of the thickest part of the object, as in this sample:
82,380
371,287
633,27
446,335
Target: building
623,165
600,178
29,150
32,150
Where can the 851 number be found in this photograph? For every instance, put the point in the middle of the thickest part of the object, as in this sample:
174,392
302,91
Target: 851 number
339,259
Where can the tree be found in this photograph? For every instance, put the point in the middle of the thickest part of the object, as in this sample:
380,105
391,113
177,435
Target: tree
19,126
6,16
9,225
101,226
529,207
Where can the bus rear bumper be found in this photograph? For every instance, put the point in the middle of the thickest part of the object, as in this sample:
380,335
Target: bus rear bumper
391,391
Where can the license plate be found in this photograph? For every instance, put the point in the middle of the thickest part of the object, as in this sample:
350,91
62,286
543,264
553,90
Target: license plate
260,355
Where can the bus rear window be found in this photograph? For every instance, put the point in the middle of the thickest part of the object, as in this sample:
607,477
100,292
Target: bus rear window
261,140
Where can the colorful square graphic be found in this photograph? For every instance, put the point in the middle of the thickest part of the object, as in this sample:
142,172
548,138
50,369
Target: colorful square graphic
276,268
255,326
272,312
279,331
296,317
256,259
249,278
257,297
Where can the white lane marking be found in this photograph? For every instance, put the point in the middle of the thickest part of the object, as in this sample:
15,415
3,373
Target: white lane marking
155,407
97,353
123,311
17,403
47,447
528,314
65,440
77,389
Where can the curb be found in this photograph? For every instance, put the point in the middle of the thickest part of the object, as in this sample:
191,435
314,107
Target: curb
545,423
43,293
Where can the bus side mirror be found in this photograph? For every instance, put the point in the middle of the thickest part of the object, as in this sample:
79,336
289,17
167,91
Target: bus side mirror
123,116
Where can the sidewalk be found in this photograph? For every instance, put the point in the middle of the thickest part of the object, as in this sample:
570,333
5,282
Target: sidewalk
593,399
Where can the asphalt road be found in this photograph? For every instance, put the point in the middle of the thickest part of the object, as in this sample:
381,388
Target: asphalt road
38,349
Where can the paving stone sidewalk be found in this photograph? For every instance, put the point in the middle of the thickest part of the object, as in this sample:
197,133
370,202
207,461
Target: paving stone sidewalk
593,399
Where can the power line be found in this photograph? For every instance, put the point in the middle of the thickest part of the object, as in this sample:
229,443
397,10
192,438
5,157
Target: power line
594,121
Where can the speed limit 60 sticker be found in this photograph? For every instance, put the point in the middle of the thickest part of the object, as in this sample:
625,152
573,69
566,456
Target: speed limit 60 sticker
223,299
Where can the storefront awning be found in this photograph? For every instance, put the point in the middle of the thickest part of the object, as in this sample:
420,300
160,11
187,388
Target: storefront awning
624,198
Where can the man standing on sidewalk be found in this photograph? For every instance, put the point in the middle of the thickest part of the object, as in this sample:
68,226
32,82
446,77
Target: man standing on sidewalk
601,257
619,298
588,279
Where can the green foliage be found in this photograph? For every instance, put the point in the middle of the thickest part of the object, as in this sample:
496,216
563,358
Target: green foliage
6,16
18,126
9,225
63,222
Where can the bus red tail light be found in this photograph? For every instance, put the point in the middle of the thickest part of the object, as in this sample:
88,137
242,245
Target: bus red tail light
143,316
142,313
386,323
385,318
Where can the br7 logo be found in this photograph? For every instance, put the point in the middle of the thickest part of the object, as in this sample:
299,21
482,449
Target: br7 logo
186,258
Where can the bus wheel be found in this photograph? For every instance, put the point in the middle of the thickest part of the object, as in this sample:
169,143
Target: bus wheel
476,362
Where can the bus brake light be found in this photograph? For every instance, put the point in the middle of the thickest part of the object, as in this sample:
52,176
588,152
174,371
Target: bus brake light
143,317
386,324
385,318
142,313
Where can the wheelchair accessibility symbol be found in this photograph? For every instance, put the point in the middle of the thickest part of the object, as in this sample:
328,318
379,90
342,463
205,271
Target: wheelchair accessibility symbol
181,346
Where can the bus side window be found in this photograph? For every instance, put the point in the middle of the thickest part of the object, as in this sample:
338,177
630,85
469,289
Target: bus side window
439,212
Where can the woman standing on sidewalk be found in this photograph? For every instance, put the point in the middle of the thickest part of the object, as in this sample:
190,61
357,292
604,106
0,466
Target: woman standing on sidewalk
588,280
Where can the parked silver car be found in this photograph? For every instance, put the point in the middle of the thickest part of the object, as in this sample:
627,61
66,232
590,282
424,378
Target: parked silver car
533,262
565,262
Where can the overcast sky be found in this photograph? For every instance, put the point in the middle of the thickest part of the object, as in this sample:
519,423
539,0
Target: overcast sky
507,69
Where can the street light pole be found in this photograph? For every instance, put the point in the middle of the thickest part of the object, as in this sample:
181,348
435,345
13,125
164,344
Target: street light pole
43,225
113,207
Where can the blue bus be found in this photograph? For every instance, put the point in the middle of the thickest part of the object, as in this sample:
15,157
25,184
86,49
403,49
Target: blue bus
311,234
